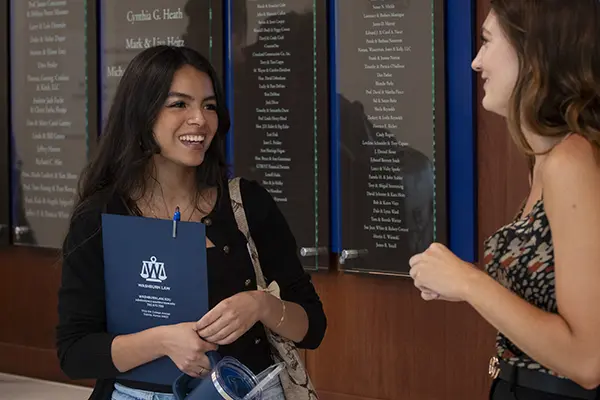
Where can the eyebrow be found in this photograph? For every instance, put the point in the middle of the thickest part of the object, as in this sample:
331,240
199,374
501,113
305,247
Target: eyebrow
187,96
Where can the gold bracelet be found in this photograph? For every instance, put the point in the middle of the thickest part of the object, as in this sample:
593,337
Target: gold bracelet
282,314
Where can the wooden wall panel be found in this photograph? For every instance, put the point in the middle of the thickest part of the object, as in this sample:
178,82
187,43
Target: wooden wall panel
28,313
35,363
384,342
28,295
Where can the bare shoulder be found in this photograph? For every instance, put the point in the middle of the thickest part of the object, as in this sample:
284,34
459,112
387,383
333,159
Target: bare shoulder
572,162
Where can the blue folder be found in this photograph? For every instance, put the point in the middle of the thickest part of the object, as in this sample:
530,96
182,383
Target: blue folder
153,279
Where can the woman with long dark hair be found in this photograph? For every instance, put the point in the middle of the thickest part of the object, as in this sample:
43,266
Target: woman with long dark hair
162,148
540,61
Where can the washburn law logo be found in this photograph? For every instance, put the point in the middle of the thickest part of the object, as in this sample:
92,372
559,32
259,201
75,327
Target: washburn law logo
153,271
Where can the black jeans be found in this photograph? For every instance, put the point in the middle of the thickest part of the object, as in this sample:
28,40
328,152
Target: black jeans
501,390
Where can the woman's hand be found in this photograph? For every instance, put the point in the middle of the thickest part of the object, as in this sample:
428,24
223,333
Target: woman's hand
439,274
182,344
231,318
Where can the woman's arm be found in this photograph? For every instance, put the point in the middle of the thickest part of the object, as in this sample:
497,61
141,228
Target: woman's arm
130,351
285,318
84,346
180,342
304,321
567,343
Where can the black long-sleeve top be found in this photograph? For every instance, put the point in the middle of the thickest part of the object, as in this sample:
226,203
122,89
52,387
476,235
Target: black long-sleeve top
83,343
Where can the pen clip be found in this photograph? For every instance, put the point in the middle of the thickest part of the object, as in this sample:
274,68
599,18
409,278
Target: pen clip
176,218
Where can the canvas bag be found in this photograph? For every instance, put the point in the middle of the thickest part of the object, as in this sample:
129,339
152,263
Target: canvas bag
294,378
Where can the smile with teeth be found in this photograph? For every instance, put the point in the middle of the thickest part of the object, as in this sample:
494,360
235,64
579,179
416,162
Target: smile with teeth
192,138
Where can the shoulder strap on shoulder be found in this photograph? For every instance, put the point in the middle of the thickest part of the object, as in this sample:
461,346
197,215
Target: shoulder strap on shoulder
242,222
238,206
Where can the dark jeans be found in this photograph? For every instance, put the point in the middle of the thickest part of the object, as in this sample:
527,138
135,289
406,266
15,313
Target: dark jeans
501,390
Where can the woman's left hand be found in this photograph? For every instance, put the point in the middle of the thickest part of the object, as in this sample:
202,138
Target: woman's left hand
439,274
230,319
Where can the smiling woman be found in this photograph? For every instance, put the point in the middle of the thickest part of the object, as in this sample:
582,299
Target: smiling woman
163,148
187,124
541,66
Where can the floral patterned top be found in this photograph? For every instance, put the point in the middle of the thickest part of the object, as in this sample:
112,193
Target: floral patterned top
520,256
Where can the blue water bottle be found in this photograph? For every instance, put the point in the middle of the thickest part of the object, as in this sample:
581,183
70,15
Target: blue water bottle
229,379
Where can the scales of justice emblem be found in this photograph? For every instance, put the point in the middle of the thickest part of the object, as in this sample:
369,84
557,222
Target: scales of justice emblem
153,271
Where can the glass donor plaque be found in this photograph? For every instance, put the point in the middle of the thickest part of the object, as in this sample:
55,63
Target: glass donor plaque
49,117
279,102
389,146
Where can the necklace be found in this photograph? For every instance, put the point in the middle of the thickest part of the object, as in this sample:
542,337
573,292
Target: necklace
157,217
167,208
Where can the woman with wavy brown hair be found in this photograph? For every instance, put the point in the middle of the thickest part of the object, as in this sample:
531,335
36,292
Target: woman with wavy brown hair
540,63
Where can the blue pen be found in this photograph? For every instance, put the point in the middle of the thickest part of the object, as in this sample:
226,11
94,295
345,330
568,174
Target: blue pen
176,217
